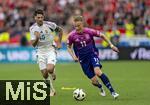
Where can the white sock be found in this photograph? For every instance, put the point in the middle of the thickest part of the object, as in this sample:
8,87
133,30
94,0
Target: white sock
51,83
49,78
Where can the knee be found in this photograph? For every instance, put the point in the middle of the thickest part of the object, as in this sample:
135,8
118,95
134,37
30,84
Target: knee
94,82
98,72
45,75
50,70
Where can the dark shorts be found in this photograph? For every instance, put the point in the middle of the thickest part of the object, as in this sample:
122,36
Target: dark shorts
89,63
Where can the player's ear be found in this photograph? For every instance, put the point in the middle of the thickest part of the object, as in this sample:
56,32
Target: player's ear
35,17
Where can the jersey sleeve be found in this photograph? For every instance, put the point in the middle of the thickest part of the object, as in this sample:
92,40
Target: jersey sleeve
51,25
94,32
70,40
32,36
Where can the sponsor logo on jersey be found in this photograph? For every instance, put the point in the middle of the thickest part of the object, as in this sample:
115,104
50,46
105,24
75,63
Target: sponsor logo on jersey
46,31
77,40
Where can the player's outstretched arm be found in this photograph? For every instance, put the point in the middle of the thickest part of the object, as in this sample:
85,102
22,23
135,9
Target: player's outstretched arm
69,48
34,42
114,48
60,33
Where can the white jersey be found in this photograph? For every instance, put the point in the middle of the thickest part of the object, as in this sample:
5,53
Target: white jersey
46,37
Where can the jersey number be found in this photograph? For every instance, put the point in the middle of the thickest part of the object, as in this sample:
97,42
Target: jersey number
83,43
42,37
96,60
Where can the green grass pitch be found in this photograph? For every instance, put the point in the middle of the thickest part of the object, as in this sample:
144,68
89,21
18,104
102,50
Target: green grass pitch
130,79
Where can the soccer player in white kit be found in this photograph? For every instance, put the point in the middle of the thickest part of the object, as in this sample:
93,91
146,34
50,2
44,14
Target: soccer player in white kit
43,40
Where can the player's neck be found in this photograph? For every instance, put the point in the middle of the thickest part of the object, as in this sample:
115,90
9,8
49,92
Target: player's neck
39,24
79,31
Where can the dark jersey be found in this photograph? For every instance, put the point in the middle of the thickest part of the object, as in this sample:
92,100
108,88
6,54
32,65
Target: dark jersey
83,43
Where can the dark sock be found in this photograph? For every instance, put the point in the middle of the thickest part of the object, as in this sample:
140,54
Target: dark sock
106,82
98,85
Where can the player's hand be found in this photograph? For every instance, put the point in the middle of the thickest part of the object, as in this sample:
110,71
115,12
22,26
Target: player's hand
37,34
75,59
59,45
114,48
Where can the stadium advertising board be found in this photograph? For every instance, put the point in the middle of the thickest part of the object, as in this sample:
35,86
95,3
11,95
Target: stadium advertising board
28,55
17,55
135,53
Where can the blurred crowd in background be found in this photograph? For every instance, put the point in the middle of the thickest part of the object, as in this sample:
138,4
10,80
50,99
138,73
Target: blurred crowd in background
116,18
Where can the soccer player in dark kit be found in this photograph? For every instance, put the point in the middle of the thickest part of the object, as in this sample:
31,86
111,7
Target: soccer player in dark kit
85,52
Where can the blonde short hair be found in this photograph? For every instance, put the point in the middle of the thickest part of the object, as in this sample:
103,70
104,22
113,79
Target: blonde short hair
78,18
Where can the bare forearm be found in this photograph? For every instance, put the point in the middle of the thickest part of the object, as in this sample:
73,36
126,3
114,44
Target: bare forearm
71,52
106,39
114,48
35,42
60,35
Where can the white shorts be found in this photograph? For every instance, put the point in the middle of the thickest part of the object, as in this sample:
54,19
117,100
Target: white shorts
46,58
